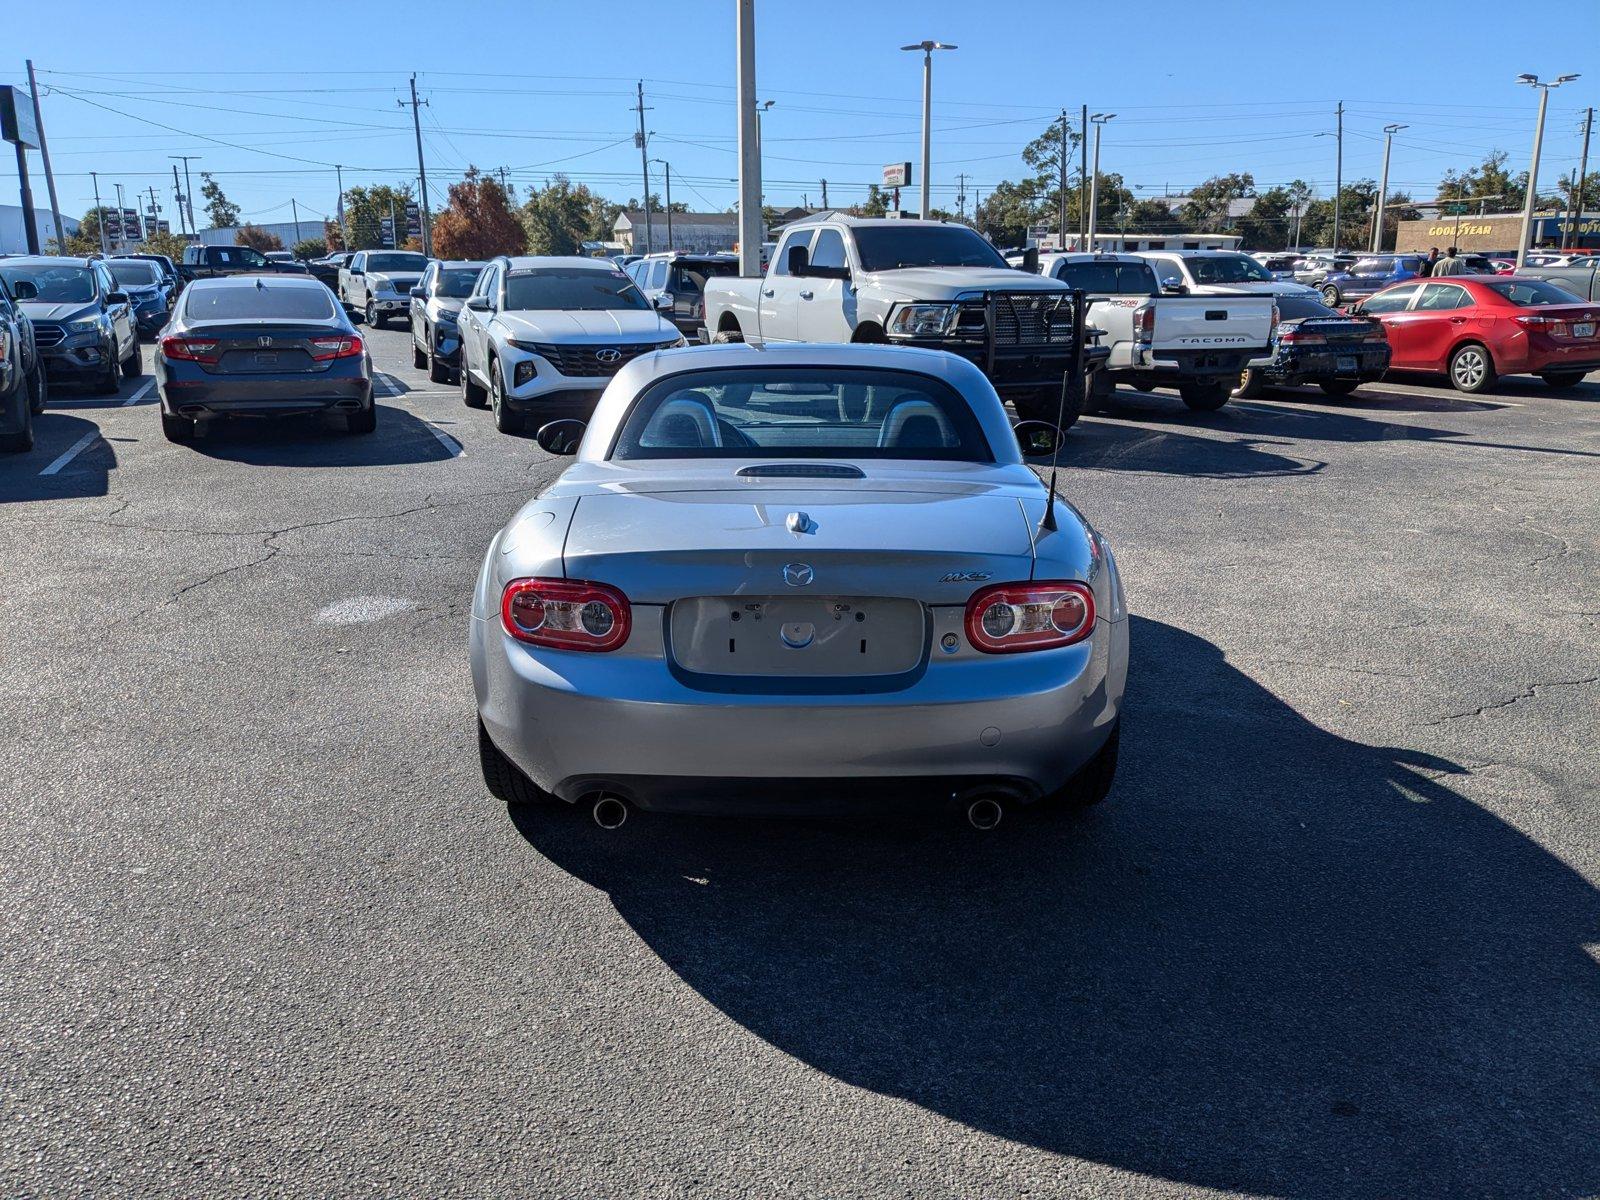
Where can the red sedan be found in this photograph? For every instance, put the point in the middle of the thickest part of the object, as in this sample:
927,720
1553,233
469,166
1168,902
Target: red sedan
1478,327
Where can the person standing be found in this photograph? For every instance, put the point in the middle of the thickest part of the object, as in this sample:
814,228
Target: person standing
1430,262
1450,264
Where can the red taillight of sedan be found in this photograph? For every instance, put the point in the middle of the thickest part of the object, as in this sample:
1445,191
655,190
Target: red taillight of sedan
1008,618
324,349
566,614
190,349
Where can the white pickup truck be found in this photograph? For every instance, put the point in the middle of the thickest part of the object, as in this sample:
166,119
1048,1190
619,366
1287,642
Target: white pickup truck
933,284
1197,344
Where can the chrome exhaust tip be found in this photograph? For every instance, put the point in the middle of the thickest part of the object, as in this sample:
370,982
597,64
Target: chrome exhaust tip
984,813
609,812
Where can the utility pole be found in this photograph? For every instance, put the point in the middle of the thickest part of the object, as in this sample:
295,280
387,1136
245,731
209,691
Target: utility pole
1383,186
394,225
121,213
99,212
344,229
295,209
1099,120
188,190
1338,174
1083,175
1063,185
749,154
504,186
1570,233
824,193
644,166
668,167
177,201
961,195
44,154
155,210
422,170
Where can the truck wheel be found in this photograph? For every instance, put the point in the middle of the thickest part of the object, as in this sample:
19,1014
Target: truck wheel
111,382
1044,404
1207,396
1471,368
21,441
725,337
472,395
1563,379
38,388
437,371
133,365
373,319
1251,385
1339,387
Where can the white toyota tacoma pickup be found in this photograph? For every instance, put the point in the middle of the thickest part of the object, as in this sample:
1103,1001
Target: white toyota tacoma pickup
1218,273
933,284
1200,345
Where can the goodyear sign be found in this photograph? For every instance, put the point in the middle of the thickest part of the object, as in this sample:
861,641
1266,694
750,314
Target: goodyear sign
1549,228
1465,229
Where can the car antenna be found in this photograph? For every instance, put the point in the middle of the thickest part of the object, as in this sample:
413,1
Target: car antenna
1075,372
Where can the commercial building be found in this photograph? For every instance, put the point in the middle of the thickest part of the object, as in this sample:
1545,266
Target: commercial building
287,232
1494,231
14,235
698,233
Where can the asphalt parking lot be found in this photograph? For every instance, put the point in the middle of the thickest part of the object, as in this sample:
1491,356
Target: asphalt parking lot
1336,932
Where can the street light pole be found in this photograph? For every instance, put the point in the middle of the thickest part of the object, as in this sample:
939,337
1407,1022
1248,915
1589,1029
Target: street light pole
99,212
1338,175
1383,186
749,150
1570,233
1533,166
188,190
1099,120
927,48
668,167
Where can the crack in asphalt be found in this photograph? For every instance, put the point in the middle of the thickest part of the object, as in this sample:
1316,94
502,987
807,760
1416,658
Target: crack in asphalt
1562,550
1531,691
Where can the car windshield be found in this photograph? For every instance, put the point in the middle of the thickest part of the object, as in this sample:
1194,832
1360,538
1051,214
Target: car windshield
579,289
1371,266
56,284
802,412
257,302
457,282
1110,279
1228,268
397,262
134,272
884,248
1530,293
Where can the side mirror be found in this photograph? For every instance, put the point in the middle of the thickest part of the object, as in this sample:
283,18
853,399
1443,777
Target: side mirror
798,260
560,437
1174,289
480,304
116,297
357,271
418,294
1038,439
25,289
665,301
1356,310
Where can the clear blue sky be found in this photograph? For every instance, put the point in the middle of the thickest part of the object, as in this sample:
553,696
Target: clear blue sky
544,87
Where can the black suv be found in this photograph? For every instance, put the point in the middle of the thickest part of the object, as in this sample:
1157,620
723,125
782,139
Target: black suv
22,384
83,325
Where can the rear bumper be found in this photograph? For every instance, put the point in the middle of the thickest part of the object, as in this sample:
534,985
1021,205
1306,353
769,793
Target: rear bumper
1291,369
579,723
1184,366
235,397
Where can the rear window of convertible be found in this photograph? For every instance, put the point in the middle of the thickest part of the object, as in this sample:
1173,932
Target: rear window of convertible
810,412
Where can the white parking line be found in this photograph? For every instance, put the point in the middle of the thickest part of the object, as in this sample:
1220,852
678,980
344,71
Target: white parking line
457,450
72,453
139,395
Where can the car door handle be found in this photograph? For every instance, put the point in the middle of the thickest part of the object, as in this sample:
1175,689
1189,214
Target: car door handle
768,292
807,296
1458,320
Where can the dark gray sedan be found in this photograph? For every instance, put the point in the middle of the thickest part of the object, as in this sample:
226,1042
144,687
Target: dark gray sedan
261,346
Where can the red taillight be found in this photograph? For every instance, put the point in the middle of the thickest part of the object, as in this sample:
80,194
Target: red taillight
1144,323
1300,337
1273,328
1006,618
325,348
190,349
566,614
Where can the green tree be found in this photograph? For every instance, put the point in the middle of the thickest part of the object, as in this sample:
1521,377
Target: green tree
478,222
310,248
365,208
1043,156
257,238
1269,222
1008,210
223,213
86,241
1355,208
557,219
1207,208
170,244
656,206
876,205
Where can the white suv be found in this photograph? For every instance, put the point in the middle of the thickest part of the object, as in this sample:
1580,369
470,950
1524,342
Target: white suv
541,337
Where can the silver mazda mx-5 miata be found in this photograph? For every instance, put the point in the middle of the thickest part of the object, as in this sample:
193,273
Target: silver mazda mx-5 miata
798,580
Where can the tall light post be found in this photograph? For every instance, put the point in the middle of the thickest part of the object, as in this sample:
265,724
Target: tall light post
927,49
668,166
749,152
1383,186
1533,166
1098,120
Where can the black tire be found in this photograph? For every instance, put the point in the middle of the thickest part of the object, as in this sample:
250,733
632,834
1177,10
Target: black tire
726,337
1100,392
505,420
1471,368
437,371
374,318
21,441
472,395
1330,295
357,317
1251,385
1339,387
110,383
1563,379
1046,404
1207,395
500,775
38,389
1092,783
177,429
133,365
419,357
362,421
1144,387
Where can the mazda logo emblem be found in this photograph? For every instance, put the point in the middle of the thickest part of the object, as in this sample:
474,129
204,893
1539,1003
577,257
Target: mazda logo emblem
608,355
798,574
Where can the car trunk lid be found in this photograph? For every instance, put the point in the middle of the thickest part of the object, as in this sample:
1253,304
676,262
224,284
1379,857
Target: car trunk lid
266,347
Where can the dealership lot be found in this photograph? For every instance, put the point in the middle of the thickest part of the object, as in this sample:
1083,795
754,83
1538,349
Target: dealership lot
1336,922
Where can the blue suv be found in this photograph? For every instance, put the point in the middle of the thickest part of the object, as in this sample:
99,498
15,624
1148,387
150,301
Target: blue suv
1367,276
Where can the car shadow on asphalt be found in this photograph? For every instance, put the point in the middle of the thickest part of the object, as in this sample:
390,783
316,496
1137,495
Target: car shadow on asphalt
1276,960
1118,446
88,473
317,440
